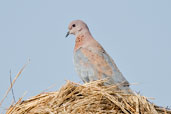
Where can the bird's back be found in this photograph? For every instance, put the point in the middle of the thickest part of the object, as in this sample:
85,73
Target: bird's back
93,63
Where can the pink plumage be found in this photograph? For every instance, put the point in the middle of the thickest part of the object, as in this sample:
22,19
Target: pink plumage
90,59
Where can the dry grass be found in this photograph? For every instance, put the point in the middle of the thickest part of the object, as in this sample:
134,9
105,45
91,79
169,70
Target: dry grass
90,98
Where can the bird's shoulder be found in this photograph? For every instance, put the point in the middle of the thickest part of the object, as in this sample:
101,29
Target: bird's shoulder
97,56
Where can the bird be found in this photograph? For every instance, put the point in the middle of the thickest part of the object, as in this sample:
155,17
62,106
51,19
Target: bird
91,61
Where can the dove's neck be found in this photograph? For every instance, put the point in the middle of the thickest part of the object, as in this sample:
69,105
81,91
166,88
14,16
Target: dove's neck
82,40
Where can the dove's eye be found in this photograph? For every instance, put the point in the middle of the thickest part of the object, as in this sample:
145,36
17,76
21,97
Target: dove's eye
73,25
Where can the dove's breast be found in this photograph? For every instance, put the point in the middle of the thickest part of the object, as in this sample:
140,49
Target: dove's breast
83,67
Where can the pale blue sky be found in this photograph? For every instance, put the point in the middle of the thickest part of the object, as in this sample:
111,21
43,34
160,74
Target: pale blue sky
136,34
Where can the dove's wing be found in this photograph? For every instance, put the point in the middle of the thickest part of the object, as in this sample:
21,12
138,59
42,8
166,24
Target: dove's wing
95,63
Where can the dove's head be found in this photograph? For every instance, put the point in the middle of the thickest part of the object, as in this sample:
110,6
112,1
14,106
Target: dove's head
77,27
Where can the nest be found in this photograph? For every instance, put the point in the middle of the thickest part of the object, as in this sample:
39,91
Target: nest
90,98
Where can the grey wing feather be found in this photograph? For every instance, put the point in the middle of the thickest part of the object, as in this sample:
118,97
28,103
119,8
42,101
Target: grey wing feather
83,67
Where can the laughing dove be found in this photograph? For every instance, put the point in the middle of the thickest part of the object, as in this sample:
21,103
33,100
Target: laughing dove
90,59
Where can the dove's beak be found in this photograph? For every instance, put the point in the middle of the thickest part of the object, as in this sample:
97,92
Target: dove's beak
67,34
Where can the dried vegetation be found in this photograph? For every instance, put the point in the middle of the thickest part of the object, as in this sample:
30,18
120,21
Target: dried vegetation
90,98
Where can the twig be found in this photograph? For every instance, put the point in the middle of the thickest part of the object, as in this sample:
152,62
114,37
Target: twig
52,86
13,82
12,87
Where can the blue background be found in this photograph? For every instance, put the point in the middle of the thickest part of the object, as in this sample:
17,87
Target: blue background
136,34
